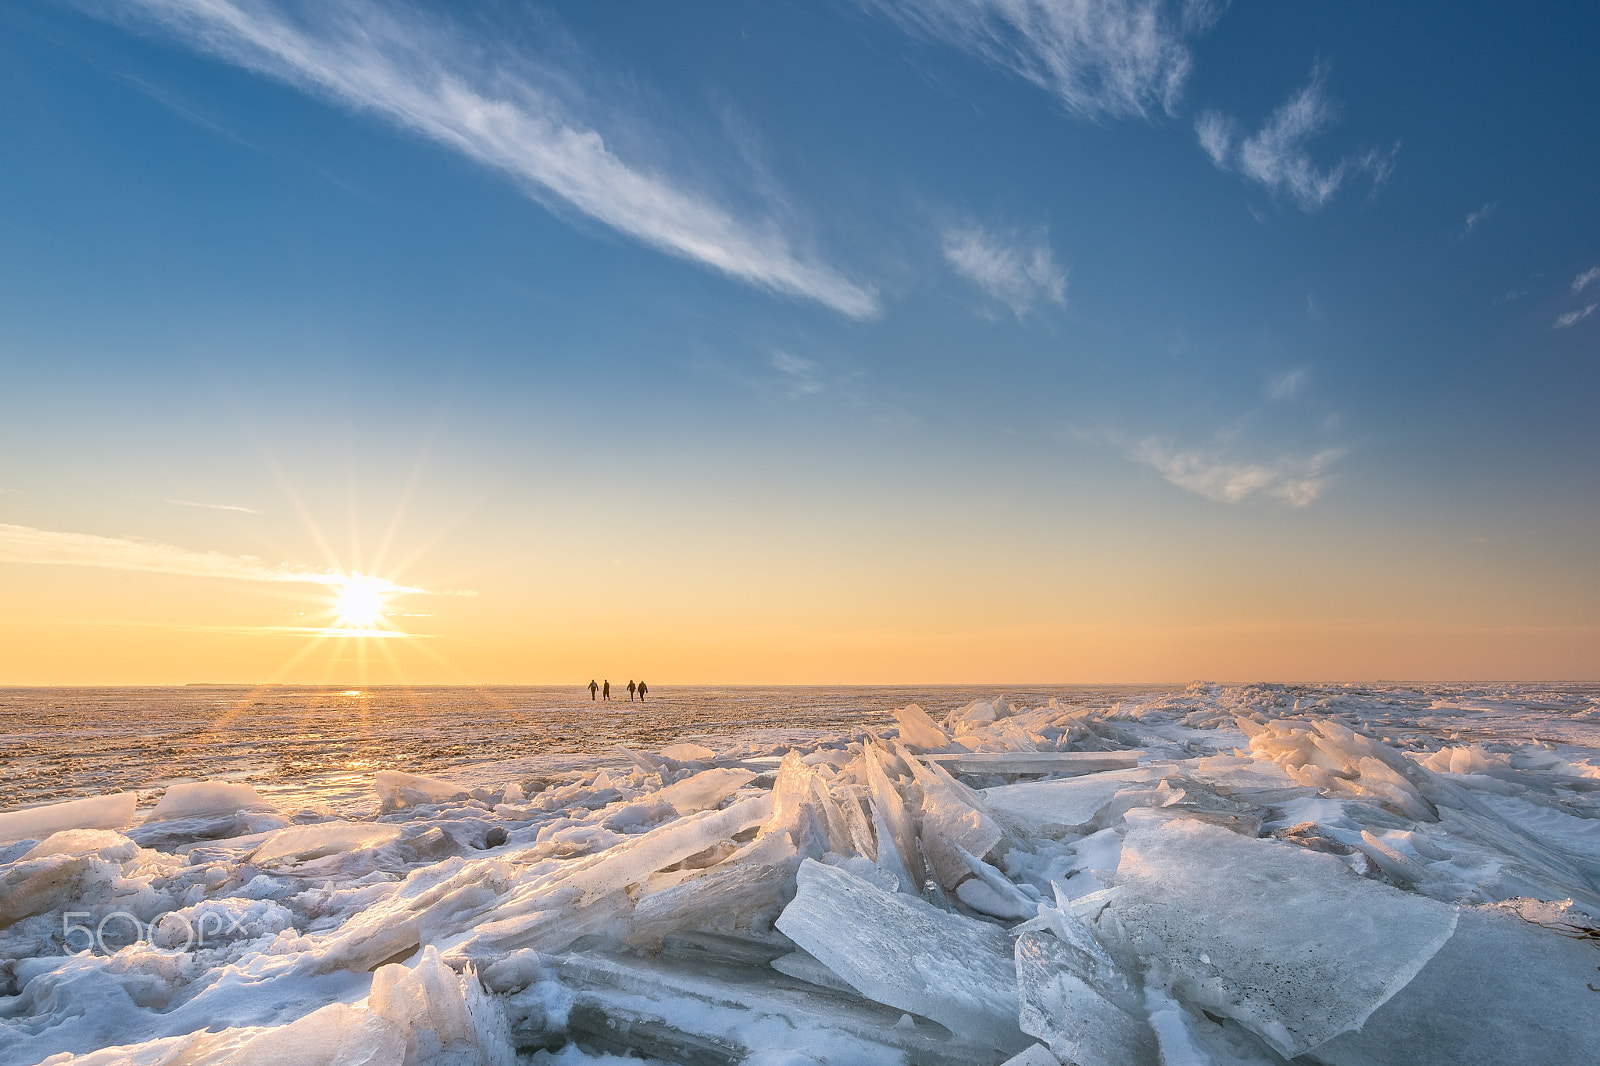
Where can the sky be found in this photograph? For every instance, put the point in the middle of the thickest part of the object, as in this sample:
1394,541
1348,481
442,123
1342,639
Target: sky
825,342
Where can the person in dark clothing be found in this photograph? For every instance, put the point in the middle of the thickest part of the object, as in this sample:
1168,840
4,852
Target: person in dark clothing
593,688
643,688
605,690
630,691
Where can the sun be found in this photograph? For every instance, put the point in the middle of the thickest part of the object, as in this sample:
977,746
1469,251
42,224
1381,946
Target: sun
359,603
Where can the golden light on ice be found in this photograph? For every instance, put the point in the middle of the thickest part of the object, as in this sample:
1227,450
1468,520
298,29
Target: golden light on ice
359,602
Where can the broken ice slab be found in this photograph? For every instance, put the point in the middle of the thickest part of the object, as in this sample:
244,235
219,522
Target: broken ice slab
747,886
704,789
1036,762
1290,943
202,799
334,1035
918,730
688,751
546,912
952,816
708,1011
36,885
1501,990
111,811
397,789
1061,1005
1055,808
905,953
303,843
804,966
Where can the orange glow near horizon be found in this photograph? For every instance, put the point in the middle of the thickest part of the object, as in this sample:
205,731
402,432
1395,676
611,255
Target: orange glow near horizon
874,593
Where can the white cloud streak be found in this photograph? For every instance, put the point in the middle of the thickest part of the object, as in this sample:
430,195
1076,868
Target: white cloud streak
800,374
1015,271
1572,318
1098,58
212,506
1297,481
1477,218
1579,284
421,77
1288,385
1276,157
24,544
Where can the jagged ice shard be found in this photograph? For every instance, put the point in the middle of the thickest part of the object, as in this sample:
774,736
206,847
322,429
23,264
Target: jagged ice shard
898,950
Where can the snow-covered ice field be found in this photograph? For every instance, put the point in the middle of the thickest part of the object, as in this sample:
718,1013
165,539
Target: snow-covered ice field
1223,874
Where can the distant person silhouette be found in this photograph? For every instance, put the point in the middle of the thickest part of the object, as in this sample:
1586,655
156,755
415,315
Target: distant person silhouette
643,688
605,690
630,691
593,688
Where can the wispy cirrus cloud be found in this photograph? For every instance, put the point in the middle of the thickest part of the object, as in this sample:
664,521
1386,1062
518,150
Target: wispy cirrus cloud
800,375
1218,474
1276,155
1571,318
1289,384
211,506
422,75
1477,218
1098,58
1012,269
25,544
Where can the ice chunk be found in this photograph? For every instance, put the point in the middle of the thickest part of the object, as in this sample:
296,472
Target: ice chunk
1500,991
804,966
335,1035
1038,762
106,844
918,730
303,843
1037,1055
984,898
446,1018
748,884
397,789
952,817
1056,808
1177,1043
704,789
1061,1006
897,836
113,811
203,799
1288,942
714,1011
905,953
798,808
688,751
990,891
546,913
34,886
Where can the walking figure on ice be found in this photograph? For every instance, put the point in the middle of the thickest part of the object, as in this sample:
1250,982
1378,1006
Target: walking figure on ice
630,691
643,688
605,690
593,688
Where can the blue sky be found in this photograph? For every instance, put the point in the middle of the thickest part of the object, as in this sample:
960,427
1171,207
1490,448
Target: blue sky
1295,296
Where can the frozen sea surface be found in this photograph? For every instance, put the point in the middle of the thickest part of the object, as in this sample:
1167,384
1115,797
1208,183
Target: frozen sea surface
57,743
1350,875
